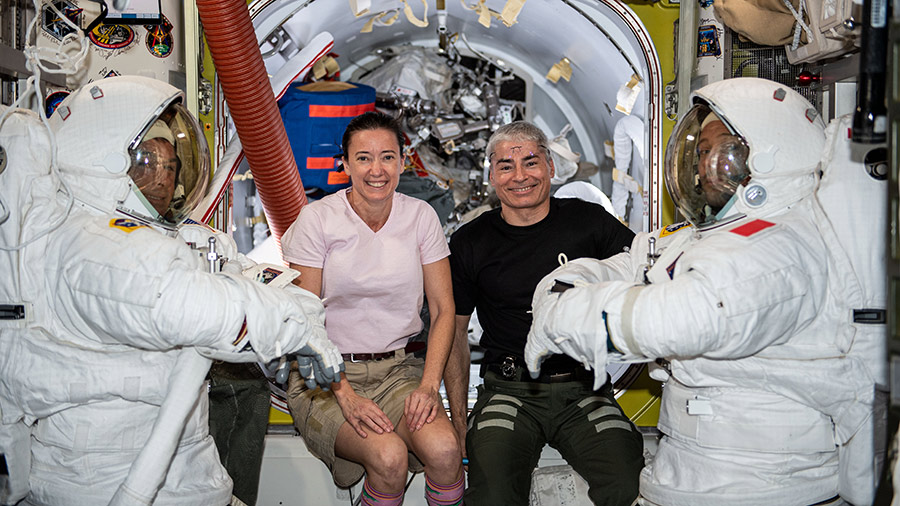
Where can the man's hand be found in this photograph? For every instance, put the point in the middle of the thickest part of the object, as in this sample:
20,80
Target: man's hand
421,406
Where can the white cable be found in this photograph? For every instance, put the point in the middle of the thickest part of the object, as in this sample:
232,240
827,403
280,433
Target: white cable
34,61
800,23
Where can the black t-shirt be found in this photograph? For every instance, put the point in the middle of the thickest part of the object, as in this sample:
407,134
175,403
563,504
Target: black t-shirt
496,267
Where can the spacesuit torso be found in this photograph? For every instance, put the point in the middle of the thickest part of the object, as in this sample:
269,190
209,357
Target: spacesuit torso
107,326
100,401
762,376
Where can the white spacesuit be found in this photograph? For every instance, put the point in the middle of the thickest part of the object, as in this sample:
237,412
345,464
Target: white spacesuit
770,393
628,175
110,324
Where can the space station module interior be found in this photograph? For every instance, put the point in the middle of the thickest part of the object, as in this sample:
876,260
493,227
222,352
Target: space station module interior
272,83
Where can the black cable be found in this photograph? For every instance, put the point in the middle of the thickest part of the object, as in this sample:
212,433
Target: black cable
104,10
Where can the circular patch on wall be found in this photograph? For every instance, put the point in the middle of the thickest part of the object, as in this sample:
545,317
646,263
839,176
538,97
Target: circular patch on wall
111,36
160,41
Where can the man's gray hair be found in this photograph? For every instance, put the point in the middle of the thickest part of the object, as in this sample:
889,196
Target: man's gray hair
518,131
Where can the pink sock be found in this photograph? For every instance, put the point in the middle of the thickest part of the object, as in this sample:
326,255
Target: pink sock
372,497
444,495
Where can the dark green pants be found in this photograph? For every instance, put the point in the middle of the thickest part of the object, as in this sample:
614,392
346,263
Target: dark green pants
239,400
513,420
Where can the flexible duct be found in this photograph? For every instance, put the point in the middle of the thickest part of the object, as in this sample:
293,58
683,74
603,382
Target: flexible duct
242,74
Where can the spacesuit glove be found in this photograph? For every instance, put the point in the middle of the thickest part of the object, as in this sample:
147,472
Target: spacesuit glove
542,342
537,348
320,363
578,272
307,371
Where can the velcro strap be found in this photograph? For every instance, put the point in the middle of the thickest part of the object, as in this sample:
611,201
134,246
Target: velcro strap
12,311
627,318
869,316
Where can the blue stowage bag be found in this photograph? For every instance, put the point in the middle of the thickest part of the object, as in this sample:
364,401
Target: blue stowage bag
315,116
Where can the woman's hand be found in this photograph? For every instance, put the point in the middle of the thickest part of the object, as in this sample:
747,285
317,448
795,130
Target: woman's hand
421,407
361,413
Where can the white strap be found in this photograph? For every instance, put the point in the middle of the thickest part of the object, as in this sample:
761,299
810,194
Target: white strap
800,23
421,23
627,317
360,7
622,177
382,18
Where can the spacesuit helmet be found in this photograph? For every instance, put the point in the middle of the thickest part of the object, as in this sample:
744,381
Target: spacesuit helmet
127,145
746,146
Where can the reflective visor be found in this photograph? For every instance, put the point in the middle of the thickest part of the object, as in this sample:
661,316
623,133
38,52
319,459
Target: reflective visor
169,166
705,163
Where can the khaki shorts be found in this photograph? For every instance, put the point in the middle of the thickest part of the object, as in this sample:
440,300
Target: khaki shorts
318,416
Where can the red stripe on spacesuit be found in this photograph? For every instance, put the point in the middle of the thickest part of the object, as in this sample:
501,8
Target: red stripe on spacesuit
753,227
320,162
339,111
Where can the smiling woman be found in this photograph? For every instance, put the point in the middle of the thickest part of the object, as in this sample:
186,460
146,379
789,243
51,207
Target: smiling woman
373,160
374,255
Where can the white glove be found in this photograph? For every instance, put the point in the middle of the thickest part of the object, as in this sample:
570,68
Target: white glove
278,321
581,271
319,359
542,342
572,322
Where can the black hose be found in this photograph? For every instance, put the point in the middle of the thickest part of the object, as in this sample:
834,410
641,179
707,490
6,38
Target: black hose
870,118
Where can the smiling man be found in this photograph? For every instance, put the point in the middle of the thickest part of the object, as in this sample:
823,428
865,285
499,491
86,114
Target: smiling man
496,262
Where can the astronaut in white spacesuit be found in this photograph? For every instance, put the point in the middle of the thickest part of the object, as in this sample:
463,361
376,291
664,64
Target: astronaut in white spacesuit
769,393
110,323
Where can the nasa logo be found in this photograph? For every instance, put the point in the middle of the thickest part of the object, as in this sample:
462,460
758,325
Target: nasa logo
675,227
124,224
159,38
54,25
53,100
111,36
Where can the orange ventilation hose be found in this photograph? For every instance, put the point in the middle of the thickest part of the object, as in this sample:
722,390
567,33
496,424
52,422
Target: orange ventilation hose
242,74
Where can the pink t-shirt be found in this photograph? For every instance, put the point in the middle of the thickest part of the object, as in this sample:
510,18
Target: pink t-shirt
372,282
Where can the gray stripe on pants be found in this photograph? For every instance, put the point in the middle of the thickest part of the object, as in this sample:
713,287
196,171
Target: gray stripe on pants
503,424
507,398
604,411
613,424
506,409
594,398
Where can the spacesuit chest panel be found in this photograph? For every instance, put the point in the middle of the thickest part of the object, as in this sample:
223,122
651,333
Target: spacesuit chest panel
670,243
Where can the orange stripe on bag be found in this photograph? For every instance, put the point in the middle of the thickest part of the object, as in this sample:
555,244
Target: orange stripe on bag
338,178
320,162
339,111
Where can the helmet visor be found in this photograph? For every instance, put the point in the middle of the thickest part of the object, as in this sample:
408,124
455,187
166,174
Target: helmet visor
705,163
169,166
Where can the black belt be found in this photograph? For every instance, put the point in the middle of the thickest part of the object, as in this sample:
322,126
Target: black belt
365,357
509,371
